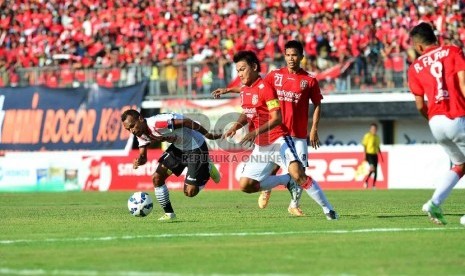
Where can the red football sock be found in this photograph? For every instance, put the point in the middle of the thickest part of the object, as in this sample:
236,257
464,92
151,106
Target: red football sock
308,183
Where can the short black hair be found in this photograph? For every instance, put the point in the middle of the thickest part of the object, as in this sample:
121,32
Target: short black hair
424,33
294,44
130,112
248,56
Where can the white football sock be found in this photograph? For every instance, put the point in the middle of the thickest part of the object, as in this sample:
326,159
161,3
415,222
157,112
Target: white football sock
444,187
319,197
274,180
163,197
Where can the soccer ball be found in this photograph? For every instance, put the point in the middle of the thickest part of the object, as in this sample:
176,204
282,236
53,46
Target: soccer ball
140,204
462,220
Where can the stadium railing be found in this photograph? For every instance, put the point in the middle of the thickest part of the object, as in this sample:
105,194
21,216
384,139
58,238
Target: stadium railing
196,80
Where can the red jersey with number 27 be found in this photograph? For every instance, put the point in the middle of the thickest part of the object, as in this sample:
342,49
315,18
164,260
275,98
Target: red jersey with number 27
434,74
294,92
257,101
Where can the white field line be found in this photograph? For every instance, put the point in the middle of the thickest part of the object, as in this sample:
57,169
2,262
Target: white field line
66,272
34,272
219,234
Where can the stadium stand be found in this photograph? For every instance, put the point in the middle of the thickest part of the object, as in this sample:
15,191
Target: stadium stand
185,47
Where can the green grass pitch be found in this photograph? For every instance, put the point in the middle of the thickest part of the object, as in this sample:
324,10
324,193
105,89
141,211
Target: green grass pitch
225,233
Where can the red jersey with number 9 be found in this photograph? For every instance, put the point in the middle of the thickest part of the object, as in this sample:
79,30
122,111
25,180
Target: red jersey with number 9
434,74
258,101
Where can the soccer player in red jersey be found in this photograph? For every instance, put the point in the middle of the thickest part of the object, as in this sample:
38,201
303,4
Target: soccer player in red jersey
295,88
439,74
272,143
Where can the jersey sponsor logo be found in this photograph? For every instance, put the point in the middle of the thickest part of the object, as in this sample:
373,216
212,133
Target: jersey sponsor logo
250,112
272,104
303,84
254,99
288,96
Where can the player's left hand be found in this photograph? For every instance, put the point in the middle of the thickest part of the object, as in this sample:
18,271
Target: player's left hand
314,140
212,136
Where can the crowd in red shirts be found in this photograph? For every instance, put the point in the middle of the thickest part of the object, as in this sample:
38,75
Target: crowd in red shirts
77,34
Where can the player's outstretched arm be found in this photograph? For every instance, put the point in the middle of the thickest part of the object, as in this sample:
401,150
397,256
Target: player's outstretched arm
186,122
142,159
220,91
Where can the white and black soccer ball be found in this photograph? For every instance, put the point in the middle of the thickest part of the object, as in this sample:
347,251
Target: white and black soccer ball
140,204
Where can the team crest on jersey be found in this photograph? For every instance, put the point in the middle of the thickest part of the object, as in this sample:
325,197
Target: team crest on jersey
303,84
254,99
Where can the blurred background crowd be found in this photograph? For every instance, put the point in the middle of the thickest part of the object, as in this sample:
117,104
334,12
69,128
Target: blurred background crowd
185,47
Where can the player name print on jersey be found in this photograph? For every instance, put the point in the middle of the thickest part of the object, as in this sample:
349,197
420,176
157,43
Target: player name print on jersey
430,58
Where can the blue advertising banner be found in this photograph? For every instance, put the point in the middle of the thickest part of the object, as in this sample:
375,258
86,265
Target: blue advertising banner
39,118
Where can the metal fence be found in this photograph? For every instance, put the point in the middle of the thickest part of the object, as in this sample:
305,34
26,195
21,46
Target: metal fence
197,80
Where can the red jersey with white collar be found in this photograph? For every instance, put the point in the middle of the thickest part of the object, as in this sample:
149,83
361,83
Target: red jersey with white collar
294,92
434,74
257,101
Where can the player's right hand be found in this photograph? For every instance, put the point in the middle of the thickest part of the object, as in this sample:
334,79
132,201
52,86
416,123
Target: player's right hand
218,92
139,162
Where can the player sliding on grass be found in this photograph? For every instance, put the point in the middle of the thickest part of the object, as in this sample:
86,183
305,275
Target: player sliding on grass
272,143
188,149
295,88
439,74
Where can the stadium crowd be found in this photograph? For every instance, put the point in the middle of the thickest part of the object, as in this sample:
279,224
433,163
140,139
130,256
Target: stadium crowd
77,36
